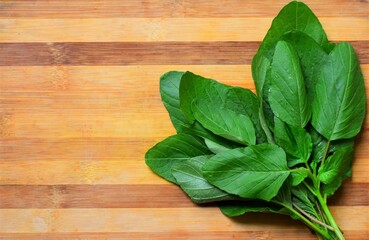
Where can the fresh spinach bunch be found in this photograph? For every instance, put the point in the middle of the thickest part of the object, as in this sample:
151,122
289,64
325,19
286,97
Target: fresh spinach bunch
284,150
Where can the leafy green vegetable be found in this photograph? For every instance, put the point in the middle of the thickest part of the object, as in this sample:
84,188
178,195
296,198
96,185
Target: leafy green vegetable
254,172
288,97
295,141
340,84
161,157
284,150
224,122
189,176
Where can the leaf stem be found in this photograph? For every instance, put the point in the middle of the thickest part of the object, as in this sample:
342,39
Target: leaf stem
305,220
328,214
312,218
323,160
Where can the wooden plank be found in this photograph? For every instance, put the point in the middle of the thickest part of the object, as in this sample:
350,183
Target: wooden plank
168,8
286,234
152,219
117,78
132,196
88,171
162,29
138,53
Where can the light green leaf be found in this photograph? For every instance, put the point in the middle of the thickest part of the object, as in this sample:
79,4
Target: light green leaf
224,122
339,100
215,147
181,147
257,171
169,91
287,96
245,102
295,141
189,176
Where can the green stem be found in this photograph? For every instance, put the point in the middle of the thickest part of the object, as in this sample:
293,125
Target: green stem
313,226
329,216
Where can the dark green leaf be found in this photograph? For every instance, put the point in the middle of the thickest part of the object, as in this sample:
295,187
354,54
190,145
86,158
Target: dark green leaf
161,157
189,176
299,175
194,87
301,198
224,122
287,96
257,171
295,141
238,208
311,56
339,100
295,16
245,102
335,169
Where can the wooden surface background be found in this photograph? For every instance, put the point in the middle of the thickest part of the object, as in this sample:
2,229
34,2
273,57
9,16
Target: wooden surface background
80,105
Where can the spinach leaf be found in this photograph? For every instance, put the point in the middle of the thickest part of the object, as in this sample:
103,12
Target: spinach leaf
295,16
310,54
245,102
335,169
339,100
189,176
181,147
257,171
295,141
196,87
288,98
224,122
215,147
238,208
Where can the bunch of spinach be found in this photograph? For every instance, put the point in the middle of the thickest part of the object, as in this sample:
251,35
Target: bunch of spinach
284,150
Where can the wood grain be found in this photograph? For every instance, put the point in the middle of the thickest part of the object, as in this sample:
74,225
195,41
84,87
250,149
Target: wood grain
132,196
80,106
154,219
162,29
137,53
170,8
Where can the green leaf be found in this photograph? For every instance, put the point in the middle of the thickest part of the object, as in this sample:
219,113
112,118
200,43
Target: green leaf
287,96
194,87
169,91
311,56
257,171
295,16
335,169
245,102
319,145
299,175
215,147
161,157
285,193
224,122
189,176
295,141
302,198
238,208
339,100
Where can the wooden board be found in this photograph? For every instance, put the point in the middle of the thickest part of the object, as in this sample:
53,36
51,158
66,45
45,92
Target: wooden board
80,106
